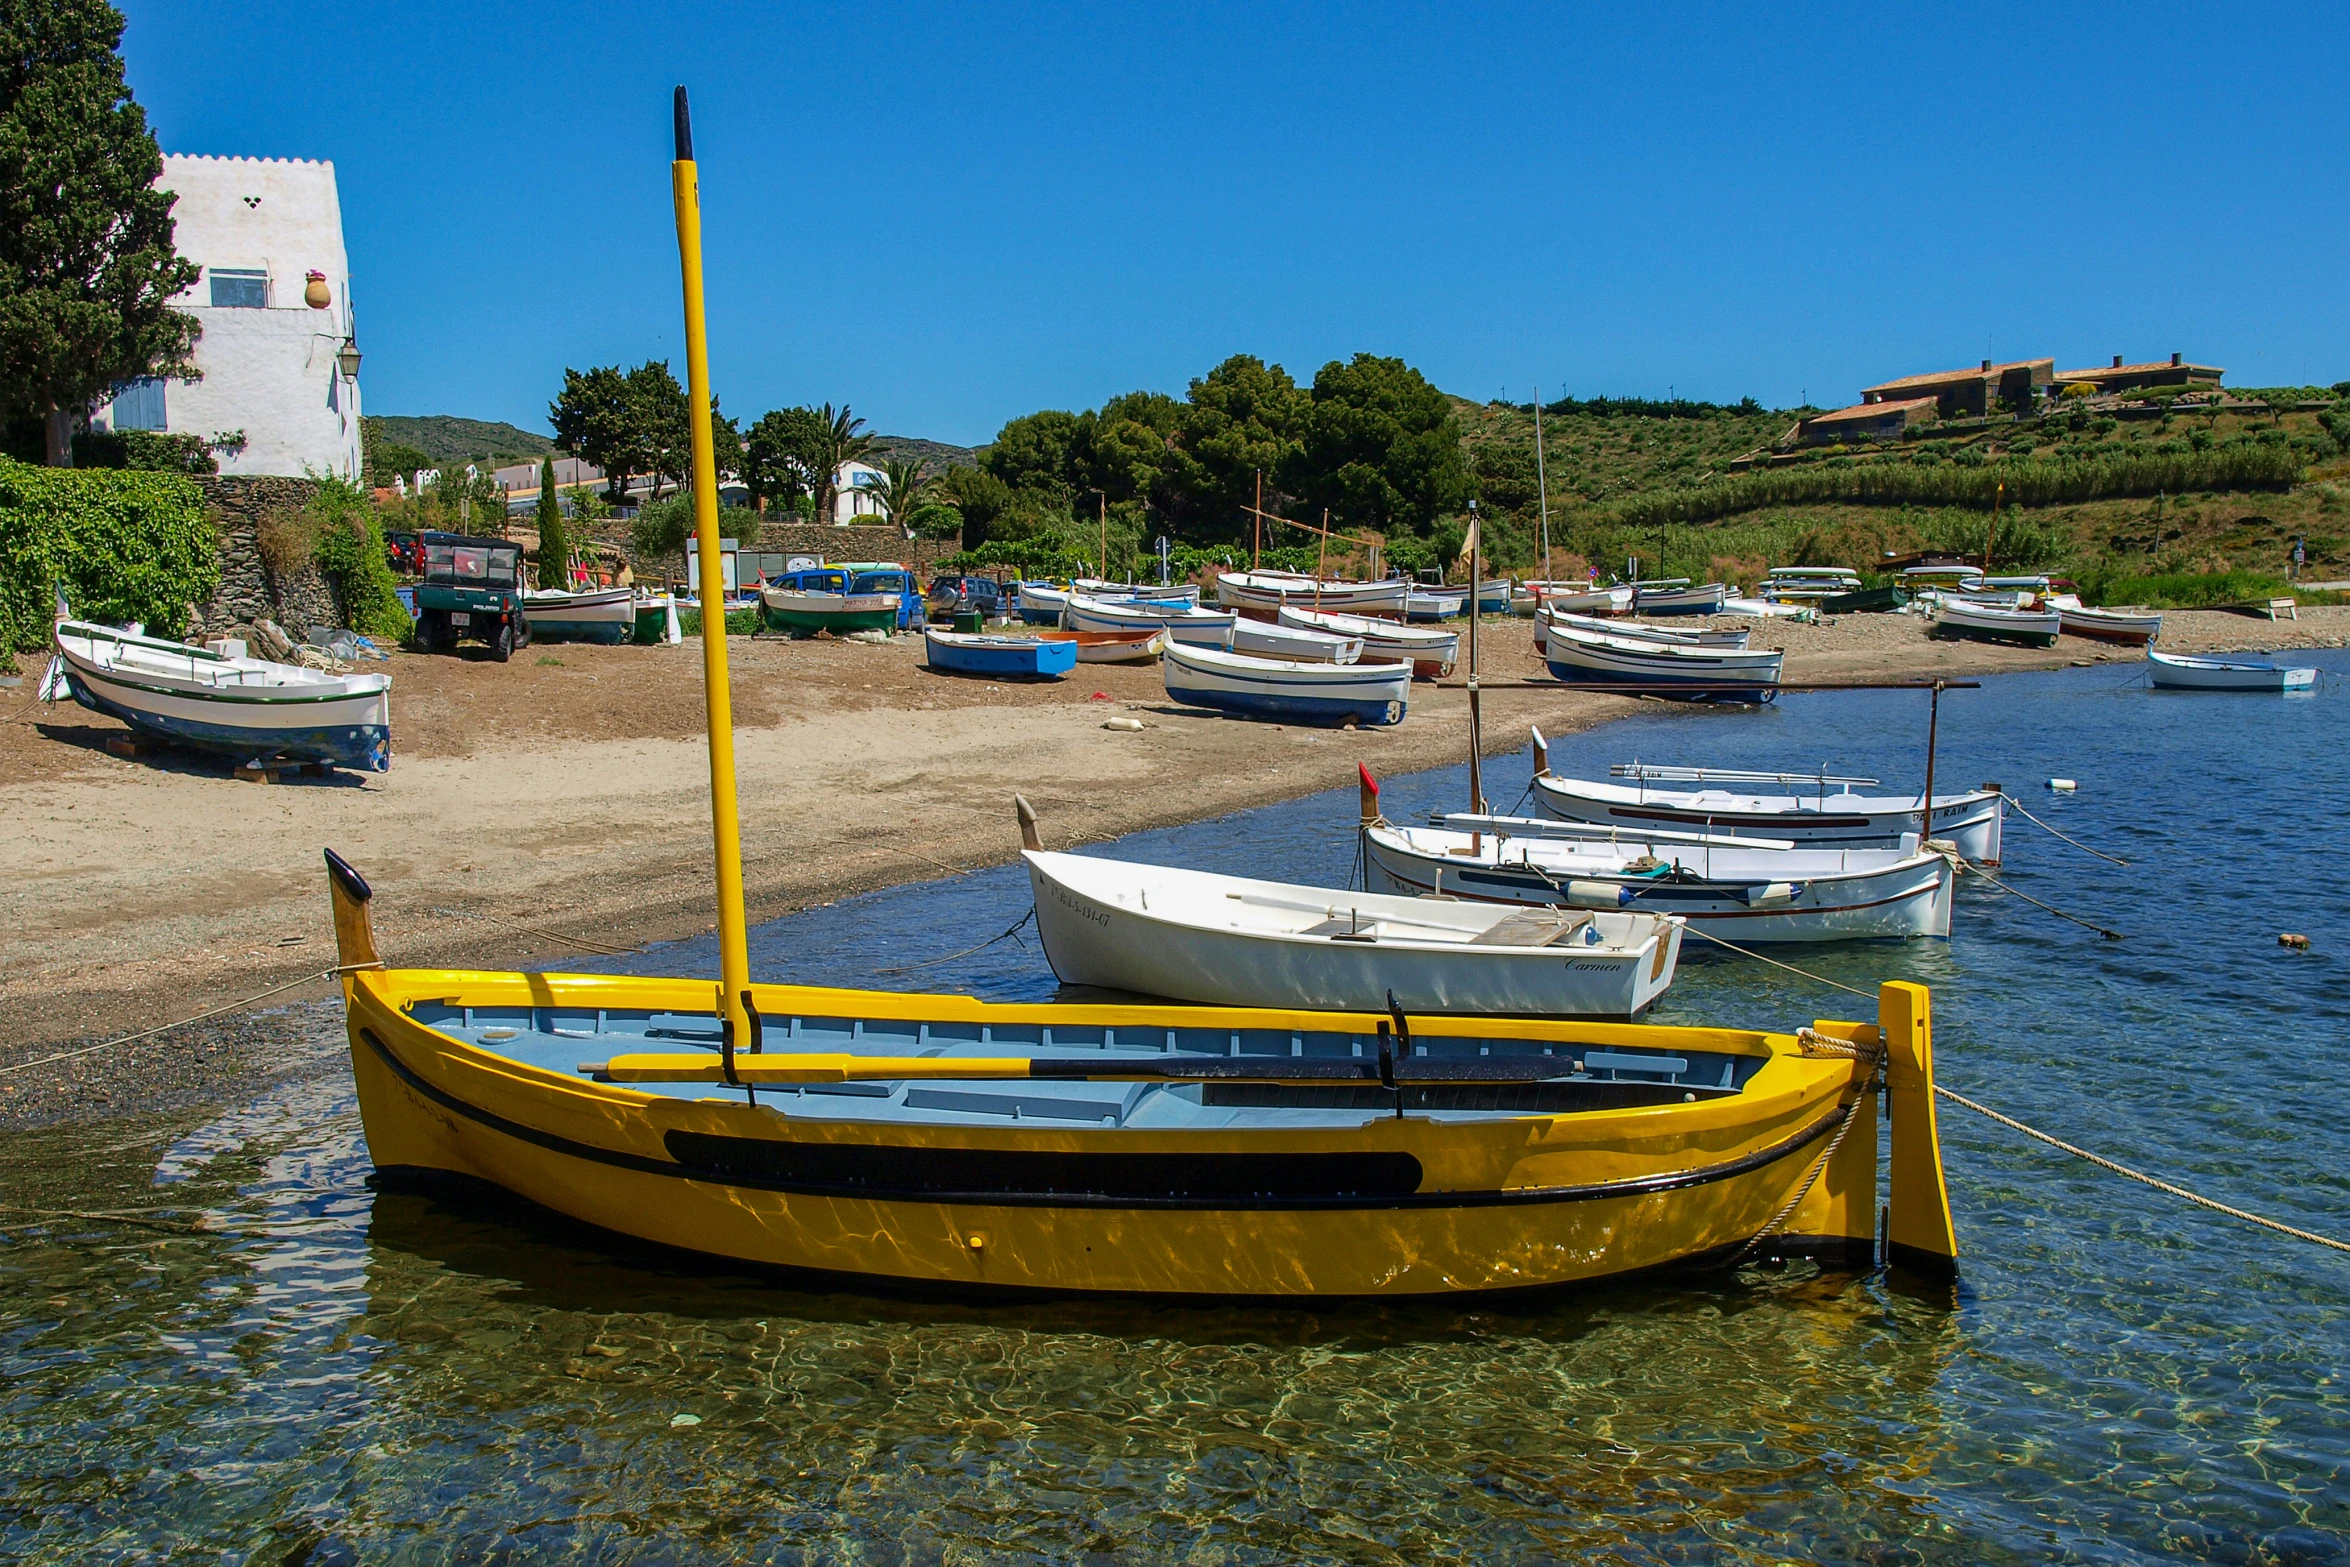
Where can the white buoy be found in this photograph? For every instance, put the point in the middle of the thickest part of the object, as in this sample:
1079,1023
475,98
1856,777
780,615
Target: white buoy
2063,785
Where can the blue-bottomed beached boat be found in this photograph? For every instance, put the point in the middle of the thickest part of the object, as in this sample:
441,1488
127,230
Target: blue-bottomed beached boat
999,657
247,709
1279,688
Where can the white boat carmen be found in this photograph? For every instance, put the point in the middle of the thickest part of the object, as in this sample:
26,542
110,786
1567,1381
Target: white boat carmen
1195,936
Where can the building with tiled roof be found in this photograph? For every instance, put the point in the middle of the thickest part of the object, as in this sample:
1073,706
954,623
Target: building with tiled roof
1878,421
1962,394
2118,377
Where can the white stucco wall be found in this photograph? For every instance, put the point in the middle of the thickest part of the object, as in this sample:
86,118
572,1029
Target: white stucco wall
269,372
850,502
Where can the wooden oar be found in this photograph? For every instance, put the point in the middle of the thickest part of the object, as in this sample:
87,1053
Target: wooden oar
762,1069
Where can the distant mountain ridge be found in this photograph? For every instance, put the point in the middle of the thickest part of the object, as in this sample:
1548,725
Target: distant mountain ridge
446,438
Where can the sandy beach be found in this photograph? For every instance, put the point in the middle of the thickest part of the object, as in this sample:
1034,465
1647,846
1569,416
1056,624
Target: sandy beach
559,804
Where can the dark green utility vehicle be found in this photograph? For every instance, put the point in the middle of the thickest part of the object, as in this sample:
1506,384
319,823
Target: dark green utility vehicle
472,588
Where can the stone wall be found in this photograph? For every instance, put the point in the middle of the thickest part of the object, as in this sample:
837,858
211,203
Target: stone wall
882,543
249,590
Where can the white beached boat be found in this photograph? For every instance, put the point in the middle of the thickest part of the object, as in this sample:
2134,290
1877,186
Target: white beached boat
1159,931
1430,653
1735,637
1742,890
597,615
1808,584
1271,639
1185,623
1770,609
1261,595
2176,672
1041,604
1110,647
247,709
1175,593
1730,801
1675,596
1701,673
1584,598
1980,622
1426,603
1285,688
2133,627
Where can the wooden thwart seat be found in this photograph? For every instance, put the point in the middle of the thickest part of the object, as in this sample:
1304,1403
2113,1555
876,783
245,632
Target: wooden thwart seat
1532,928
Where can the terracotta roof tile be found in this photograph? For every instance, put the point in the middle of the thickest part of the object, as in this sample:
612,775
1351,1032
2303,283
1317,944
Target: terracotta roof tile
2102,371
1861,411
1944,377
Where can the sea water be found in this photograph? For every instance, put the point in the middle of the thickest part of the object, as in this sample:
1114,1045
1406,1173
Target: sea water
325,1373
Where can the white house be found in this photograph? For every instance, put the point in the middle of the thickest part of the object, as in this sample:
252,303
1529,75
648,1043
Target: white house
279,352
853,500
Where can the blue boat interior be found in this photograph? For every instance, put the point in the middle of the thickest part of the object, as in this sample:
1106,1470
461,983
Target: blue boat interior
1591,1076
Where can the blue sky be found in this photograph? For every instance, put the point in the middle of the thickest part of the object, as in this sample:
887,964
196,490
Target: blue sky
947,217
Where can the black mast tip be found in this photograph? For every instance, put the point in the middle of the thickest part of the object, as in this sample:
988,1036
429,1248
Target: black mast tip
685,128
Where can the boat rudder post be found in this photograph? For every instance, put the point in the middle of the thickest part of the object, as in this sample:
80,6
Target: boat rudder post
1027,813
1919,1235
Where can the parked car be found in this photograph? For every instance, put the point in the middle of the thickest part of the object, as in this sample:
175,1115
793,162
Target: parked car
984,594
404,552
472,588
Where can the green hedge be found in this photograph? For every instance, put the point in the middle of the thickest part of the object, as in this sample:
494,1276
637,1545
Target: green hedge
2191,590
2030,482
351,551
126,545
739,622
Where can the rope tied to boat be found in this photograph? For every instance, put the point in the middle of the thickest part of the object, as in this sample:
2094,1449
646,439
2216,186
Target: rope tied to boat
2109,935
2157,1183
2018,807
235,1006
1814,1043
1012,930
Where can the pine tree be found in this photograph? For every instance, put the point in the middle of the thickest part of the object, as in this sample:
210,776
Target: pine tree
554,548
87,264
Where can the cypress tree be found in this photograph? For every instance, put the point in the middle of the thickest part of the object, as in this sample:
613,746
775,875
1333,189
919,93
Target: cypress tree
554,547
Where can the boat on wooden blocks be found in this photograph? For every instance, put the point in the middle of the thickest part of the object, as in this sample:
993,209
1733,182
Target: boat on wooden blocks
1274,688
1956,618
2177,672
941,1143
1431,653
804,612
594,615
998,657
246,709
1747,804
1703,674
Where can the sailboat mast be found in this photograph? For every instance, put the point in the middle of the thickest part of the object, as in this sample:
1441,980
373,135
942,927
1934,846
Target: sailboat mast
1105,500
1542,484
734,963
1257,549
1476,716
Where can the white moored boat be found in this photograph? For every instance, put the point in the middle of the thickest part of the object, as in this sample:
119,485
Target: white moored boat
1729,801
598,615
2136,627
2174,672
1674,596
1286,688
247,709
1699,673
1431,653
1262,595
1980,622
1184,623
1271,639
1159,931
1743,890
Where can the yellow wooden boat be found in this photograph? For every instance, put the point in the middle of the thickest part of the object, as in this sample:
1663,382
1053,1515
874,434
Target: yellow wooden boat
938,1141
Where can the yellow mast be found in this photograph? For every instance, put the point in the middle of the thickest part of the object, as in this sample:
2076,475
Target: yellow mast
734,961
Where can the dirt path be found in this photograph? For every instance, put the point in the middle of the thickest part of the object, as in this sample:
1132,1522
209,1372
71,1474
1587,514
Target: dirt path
566,794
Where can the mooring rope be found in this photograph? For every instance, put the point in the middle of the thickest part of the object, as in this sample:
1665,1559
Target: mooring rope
2109,935
234,1006
1749,952
2053,833
599,948
1813,1043
1010,930
2139,1175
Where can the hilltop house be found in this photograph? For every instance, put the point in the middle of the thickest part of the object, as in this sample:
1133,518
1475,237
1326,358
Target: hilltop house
279,354
1964,394
2118,377
1882,421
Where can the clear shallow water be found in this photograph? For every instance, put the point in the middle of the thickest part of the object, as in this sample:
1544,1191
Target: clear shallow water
331,1374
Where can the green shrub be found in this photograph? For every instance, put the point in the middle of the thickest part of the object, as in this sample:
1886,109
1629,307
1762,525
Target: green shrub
739,622
149,450
936,520
2189,590
350,551
126,545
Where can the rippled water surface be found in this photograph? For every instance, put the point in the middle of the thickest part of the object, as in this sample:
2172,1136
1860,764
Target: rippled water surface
284,1365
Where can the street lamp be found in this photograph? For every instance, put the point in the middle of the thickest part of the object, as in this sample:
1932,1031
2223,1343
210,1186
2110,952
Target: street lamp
347,359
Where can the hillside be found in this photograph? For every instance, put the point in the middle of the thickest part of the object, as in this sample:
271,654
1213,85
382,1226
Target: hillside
2111,488
446,439
938,454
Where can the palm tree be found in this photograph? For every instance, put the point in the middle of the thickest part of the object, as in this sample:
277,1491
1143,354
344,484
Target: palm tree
904,481
841,440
